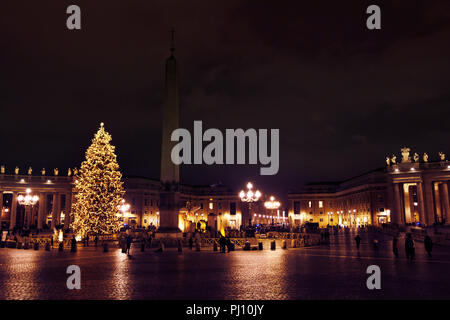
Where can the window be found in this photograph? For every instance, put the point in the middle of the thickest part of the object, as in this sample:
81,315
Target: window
321,220
146,202
310,204
320,204
233,208
211,206
296,207
201,205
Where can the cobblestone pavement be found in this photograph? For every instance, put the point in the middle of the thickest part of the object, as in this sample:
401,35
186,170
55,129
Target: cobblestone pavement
337,271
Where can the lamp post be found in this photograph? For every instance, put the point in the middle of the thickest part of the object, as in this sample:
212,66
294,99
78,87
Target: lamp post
124,208
272,205
28,200
250,197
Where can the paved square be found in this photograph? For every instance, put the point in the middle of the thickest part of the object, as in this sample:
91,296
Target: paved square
334,272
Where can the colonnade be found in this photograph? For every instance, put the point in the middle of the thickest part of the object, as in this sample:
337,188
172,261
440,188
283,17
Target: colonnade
427,202
56,205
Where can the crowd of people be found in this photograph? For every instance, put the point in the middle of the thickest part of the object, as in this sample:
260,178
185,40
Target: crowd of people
410,245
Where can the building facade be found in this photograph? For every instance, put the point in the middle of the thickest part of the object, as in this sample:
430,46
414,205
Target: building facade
409,192
215,207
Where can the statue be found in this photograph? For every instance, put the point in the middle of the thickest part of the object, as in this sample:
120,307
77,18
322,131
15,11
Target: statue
388,161
394,159
69,172
30,171
55,171
416,157
442,156
43,171
16,170
2,169
405,155
425,157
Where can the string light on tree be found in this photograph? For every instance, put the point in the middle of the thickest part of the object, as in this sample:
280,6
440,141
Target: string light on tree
98,189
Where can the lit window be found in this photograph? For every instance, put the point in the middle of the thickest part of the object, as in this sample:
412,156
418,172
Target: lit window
310,204
211,206
320,204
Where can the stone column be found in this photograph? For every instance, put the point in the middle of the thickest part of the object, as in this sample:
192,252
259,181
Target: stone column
446,202
421,208
67,210
398,212
428,201
55,209
407,204
41,210
12,221
1,205
437,201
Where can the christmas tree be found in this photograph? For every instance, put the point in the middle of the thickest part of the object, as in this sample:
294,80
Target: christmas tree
99,189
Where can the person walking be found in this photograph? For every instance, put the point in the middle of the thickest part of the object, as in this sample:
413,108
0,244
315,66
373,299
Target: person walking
358,241
395,246
428,245
73,244
228,244
129,240
222,243
409,247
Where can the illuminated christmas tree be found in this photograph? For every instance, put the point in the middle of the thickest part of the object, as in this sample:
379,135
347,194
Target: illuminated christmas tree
99,189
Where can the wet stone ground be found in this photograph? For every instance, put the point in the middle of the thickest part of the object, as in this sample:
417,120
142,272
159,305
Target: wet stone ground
337,271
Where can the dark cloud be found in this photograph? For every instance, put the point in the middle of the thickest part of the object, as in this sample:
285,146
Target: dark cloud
342,96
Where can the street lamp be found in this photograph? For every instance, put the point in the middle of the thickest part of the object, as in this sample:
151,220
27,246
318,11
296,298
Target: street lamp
28,200
250,197
124,208
272,205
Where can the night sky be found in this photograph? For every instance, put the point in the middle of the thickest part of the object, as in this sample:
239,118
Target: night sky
342,96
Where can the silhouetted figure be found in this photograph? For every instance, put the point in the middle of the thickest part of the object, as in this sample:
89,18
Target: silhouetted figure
129,240
95,240
222,243
51,242
395,246
409,247
228,244
87,241
428,245
191,243
358,241
375,244
73,244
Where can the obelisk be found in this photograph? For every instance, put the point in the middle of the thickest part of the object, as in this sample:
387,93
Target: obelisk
169,196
